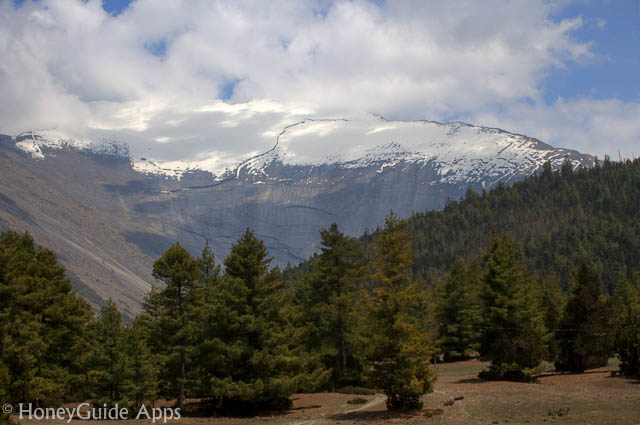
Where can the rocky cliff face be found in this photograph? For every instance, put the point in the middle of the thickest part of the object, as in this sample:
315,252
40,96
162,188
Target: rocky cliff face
109,212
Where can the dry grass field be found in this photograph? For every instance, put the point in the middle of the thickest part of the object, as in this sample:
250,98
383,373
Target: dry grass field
595,397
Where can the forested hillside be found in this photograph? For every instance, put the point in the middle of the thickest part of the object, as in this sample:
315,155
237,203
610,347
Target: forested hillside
354,319
561,218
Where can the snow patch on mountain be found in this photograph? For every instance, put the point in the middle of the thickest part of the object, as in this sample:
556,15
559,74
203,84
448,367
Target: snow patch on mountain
458,152
36,143
177,169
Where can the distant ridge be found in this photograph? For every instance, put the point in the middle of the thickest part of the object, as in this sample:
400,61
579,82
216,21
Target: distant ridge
108,210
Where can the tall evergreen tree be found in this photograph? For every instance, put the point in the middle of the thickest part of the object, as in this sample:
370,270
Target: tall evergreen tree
514,334
400,348
626,301
122,369
174,310
207,357
327,297
587,332
43,325
422,312
108,361
207,264
140,384
553,305
460,312
256,352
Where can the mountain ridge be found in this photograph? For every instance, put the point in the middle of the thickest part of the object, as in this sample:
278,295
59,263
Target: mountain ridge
108,219
386,153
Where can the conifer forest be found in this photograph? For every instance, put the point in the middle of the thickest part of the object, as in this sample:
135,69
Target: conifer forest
542,275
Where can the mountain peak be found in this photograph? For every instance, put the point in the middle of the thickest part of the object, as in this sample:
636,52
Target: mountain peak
458,152
36,142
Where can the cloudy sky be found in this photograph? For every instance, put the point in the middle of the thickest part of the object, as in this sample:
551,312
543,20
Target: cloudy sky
222,77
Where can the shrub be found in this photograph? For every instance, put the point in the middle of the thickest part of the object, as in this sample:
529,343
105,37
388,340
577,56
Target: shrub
510,372
356,390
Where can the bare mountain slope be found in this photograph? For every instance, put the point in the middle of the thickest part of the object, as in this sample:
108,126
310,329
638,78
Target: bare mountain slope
109,212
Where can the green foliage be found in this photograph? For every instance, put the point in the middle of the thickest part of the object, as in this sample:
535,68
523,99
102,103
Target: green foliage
514,335
6,419
356,390
326,298
108,361
174,321
43,345
257,356
460,312
400,348
511,372
141,383
553,305
626,301
558,412
236,340
122,370
586,334
421,305
210,311
562,220
207,264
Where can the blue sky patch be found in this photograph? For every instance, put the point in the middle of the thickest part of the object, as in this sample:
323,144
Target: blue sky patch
157,48
614,29
226,90
115,7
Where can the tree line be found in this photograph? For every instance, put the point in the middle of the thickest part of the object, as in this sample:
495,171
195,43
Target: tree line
240,336
240,340
500,311
560,218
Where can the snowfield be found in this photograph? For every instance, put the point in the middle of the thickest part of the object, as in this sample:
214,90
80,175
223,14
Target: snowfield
459,152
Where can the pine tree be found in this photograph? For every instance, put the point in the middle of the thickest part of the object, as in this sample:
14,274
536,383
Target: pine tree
327,297
514,334
122,367
207,358
586,335
626,301
256,353
460,313
173,311
422,311
108,361
208,268
42,325
553,305
140,383
400,348
150,321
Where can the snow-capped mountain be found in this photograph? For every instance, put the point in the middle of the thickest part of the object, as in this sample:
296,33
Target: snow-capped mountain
459,152
109,208
34,142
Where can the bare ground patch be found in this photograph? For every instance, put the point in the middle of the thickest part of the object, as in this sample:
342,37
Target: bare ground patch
594,397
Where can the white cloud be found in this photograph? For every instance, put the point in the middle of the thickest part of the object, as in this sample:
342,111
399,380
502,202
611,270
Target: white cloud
600,127
68,64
